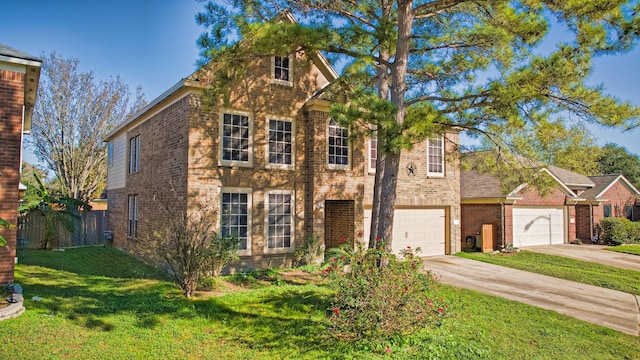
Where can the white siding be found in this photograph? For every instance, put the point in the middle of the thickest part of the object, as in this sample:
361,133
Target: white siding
116,174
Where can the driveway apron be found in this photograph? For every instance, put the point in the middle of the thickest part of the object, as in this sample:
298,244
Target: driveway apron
613,309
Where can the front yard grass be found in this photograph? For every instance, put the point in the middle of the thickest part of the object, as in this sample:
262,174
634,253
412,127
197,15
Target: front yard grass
99,303
565,268
627,249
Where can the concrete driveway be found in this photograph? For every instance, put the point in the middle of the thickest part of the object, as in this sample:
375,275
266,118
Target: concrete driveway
591,253
613,309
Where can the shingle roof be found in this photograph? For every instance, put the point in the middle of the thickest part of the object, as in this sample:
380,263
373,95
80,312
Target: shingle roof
602,182
14,53
570,178
474,184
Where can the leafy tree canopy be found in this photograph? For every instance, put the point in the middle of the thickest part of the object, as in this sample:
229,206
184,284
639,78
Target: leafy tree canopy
616,159
72,115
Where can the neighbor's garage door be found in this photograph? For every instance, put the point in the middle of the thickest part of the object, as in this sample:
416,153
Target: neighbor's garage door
423,228
538,226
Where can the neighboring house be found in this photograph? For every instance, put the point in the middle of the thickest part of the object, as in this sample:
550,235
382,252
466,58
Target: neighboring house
523,216
274,165
611,196
19,76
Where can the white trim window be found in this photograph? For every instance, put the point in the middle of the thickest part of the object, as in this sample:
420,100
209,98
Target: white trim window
132,208
373,155
281,69
134,154
235,217
435,157
235,145
337,145
280,149
279,221
110,154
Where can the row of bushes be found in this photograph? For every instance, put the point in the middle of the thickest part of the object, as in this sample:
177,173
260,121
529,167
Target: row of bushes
617,231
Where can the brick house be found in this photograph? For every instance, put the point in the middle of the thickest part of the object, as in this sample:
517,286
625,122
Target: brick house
274,165
611,196
523,216
19,76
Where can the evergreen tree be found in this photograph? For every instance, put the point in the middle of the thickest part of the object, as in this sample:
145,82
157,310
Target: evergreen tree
416,68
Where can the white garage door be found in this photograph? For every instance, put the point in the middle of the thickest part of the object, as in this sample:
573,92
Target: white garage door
538,226
423,228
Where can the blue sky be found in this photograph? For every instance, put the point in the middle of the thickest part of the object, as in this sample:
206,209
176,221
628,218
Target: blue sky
153,44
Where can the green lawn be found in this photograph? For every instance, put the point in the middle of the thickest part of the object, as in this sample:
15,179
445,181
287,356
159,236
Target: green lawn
566,268
98,303
628,249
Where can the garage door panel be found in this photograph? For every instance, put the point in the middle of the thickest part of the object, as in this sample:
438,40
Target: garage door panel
538,226
423,228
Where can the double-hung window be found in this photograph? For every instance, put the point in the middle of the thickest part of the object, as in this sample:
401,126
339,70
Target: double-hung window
280,151
338,144
134,154
235,215
279,221
373,155
236,139
435,157
132,230
607,210
281,70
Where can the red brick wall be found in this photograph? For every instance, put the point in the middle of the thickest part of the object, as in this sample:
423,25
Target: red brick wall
618,197
163,167
11,102
531,196
475,215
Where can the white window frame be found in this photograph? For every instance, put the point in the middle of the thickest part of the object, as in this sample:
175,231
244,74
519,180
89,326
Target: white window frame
132,209
267,207
290,70
245,191
239,163
349,150
110,154
293,144
440,156
372,155
134,154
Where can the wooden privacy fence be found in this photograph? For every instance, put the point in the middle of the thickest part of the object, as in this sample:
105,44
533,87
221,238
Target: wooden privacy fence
89,230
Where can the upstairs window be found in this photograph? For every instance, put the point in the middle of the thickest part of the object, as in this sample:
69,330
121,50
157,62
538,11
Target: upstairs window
134,154
110,154
373,154
281,70
236,139
435,157
338,144
280,150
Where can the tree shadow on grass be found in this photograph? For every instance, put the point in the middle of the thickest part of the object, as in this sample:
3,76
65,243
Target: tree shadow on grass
289,317
96,261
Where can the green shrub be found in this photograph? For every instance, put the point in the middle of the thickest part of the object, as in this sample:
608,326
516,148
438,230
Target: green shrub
309,251
378,302
617,231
